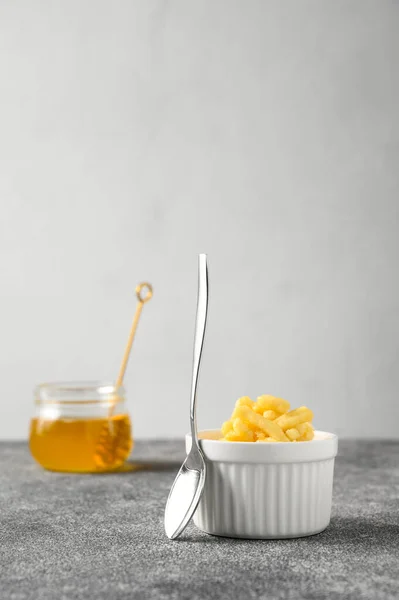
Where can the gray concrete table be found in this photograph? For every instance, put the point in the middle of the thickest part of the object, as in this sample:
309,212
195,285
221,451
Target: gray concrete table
101,536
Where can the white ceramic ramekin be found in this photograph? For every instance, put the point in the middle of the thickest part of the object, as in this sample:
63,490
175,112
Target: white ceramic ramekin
266,490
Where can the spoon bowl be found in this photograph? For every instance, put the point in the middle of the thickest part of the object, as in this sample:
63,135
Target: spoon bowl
185,494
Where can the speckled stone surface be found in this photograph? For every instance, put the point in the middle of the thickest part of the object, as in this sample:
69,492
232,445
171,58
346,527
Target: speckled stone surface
101,536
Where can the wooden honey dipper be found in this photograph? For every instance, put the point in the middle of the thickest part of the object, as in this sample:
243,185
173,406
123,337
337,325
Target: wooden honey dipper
105,448
141,301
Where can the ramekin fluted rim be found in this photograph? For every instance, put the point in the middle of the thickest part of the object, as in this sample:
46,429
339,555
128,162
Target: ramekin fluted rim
323,447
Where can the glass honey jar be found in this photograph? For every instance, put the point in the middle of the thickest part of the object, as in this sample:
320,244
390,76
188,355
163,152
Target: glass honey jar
80,427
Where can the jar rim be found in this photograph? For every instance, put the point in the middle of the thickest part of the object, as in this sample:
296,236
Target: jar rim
74,392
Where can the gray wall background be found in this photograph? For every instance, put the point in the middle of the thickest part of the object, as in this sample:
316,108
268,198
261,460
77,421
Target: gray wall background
134,135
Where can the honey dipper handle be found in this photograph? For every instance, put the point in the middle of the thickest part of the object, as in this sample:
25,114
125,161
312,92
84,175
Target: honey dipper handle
141,301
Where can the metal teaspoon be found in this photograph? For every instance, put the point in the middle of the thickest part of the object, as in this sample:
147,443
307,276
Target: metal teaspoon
188,486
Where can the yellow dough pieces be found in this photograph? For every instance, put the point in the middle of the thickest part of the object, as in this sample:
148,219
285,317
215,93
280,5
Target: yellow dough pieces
269,419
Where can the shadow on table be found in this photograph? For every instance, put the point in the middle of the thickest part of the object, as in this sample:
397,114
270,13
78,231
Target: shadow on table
360,530
341,531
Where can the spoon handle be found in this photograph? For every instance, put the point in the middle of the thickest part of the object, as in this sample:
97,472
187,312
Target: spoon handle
200,326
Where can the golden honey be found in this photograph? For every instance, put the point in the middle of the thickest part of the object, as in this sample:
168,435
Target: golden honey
81,445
